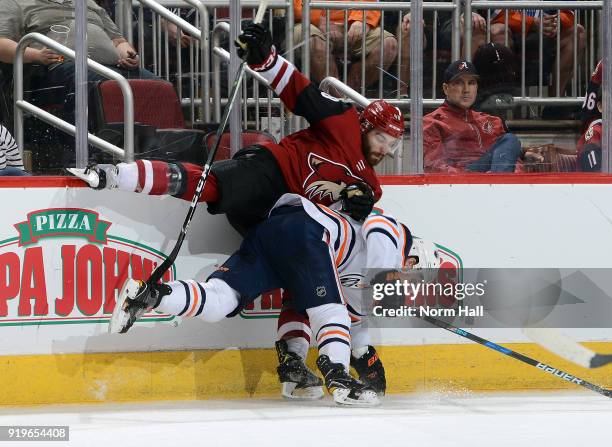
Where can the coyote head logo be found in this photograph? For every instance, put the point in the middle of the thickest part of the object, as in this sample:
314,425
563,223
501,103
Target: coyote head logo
326,180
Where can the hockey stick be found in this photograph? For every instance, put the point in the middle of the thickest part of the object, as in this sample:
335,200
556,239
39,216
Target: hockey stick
563,346
161,269
520,357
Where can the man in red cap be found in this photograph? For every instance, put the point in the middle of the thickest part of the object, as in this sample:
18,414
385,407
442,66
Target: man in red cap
457,139
339,149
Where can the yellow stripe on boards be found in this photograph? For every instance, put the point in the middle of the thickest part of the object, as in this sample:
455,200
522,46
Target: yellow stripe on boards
221,374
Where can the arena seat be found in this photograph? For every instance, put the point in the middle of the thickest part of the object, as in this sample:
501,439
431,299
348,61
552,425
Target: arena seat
249,138
160,130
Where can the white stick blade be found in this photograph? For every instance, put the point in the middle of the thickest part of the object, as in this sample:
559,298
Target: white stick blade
261,10
561,345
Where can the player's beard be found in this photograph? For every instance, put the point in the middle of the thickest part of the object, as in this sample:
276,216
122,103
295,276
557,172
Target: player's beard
372,159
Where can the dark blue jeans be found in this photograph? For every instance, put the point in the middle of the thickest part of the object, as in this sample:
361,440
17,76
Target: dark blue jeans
12,171
501,157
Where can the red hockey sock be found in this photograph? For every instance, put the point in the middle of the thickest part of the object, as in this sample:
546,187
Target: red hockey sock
211,191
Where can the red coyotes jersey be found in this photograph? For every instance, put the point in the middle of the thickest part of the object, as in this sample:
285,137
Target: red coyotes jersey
589,110
454,137
320,161
591,136
316,163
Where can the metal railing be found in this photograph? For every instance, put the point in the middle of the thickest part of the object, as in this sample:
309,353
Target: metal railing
201,34
452,6
126,154
542,6
206,10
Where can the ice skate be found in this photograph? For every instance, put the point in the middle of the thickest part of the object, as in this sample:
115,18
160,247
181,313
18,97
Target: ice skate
370,370
135,298
297,380
345,389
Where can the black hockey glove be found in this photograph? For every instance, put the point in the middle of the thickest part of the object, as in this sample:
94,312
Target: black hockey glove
357,201
254,46
370,370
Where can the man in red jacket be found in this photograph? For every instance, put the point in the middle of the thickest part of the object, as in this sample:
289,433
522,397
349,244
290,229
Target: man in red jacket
457,139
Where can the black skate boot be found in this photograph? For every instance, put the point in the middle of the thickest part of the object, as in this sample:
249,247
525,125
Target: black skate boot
297,380
345,389
370,370
135,298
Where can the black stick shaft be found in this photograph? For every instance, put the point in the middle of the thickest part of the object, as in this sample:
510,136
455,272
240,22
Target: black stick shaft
161,269
520,357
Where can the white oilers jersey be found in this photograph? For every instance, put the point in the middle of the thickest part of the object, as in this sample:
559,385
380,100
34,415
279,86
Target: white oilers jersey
379,242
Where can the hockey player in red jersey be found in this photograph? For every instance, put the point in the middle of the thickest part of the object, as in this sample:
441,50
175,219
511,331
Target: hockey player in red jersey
340,148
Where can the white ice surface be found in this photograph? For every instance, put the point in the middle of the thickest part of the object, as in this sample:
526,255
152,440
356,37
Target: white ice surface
433,419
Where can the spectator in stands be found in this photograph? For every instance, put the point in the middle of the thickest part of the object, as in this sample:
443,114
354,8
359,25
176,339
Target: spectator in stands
444,34
10,158
549,20
589,146
498,79
458,139
479,28
106,44
590,110
403,33
335,35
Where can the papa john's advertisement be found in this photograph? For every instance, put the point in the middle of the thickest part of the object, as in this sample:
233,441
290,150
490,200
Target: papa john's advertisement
66,266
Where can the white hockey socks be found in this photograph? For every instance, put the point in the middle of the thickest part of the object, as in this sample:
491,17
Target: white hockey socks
360,339
210,301
330,323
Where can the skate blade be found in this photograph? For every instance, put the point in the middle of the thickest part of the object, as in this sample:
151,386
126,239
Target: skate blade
120,317
367,398
289,390
90,177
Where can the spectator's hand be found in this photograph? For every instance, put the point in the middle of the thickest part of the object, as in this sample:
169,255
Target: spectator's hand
406,23
549,25
452,170
46,56
333,32
355,34
128,58
174,32
478,22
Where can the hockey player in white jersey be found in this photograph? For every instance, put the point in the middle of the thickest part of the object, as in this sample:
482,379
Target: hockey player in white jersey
302,247
294,332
